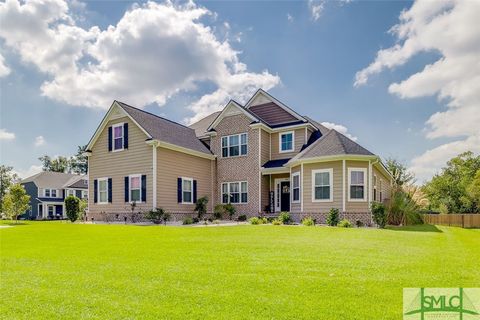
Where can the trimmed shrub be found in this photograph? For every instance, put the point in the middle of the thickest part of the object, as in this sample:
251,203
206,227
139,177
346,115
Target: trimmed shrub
333,217
308,222
201,206
195,220
379,214
219,211
216,221
359,224
72,208
264,220
188,221
230,210
255,220
156,215
284,217
345,223
276,222
243,217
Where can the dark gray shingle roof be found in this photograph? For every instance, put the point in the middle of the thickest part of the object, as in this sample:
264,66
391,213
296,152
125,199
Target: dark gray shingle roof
48,179
333,143
166,130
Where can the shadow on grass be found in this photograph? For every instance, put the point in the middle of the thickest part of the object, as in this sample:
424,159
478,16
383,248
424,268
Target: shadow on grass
416,228
13,223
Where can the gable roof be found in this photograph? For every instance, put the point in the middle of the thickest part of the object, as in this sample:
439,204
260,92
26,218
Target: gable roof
273,115
332,144
323,130
77,182
202,125
271,98
55,180
156,128
233,104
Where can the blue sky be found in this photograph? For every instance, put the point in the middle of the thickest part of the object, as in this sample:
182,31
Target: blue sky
307,54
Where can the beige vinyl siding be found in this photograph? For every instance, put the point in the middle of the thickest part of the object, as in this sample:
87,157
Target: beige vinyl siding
322,207
172,165
299,142
137,159
354,206
295,207
386,183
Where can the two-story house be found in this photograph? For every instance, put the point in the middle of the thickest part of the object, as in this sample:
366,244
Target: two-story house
48,190
262,157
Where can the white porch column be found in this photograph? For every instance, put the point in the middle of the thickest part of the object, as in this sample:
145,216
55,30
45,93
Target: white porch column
154,176
301,187
370,183
344,176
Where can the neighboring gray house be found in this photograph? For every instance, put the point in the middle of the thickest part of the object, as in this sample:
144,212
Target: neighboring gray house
48,190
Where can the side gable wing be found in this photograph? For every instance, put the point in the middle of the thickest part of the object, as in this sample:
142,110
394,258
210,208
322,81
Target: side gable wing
232,108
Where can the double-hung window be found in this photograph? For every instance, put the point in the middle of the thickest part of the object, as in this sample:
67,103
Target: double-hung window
322,185
235,192
117,137
287,141
84,194
296,187
103,190
135,188
46,193
375,188
187,190
70,192
234,145
356,184
50,193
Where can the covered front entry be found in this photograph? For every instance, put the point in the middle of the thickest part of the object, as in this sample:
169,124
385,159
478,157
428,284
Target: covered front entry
282,194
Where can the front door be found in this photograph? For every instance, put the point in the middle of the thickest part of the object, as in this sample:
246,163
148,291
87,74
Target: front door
285,196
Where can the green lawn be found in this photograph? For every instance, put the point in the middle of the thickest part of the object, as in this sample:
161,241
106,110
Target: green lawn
53,270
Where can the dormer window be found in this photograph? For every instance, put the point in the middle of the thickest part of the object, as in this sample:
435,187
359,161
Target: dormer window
117,137
286,142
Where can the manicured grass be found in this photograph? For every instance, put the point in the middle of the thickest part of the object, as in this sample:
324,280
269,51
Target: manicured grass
71,271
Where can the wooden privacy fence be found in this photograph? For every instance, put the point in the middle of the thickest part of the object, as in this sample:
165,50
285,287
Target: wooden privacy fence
455,220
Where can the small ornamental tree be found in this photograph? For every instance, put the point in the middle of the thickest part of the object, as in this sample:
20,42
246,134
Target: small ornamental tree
16,201
219,211
72,208
333,217
201,206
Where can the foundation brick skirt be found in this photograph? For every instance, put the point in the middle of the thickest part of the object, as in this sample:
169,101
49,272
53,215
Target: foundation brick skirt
138,217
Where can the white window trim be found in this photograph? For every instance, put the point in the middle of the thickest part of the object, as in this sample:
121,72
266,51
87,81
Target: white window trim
130,187
84,194
228,192
191,191
364,170
113,137
280,141
48,210
98,190
299,187
330,171
239,145
375,193
50,196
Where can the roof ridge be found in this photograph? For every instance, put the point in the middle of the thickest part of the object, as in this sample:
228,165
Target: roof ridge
152,114
340,140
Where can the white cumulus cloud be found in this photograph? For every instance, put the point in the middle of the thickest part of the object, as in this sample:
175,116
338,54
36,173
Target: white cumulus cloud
5,135
39,141
339,128
316,8
449,29
32,170
4,70
153,52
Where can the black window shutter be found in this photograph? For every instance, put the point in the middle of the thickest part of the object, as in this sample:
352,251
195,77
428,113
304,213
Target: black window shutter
110,190
125,135
179,190
194,191
95,191
126,189
110,136
144,188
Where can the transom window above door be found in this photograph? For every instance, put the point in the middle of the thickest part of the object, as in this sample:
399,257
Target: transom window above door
286,141
234,145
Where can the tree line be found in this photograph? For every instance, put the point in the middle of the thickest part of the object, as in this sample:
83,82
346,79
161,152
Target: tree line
75,164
